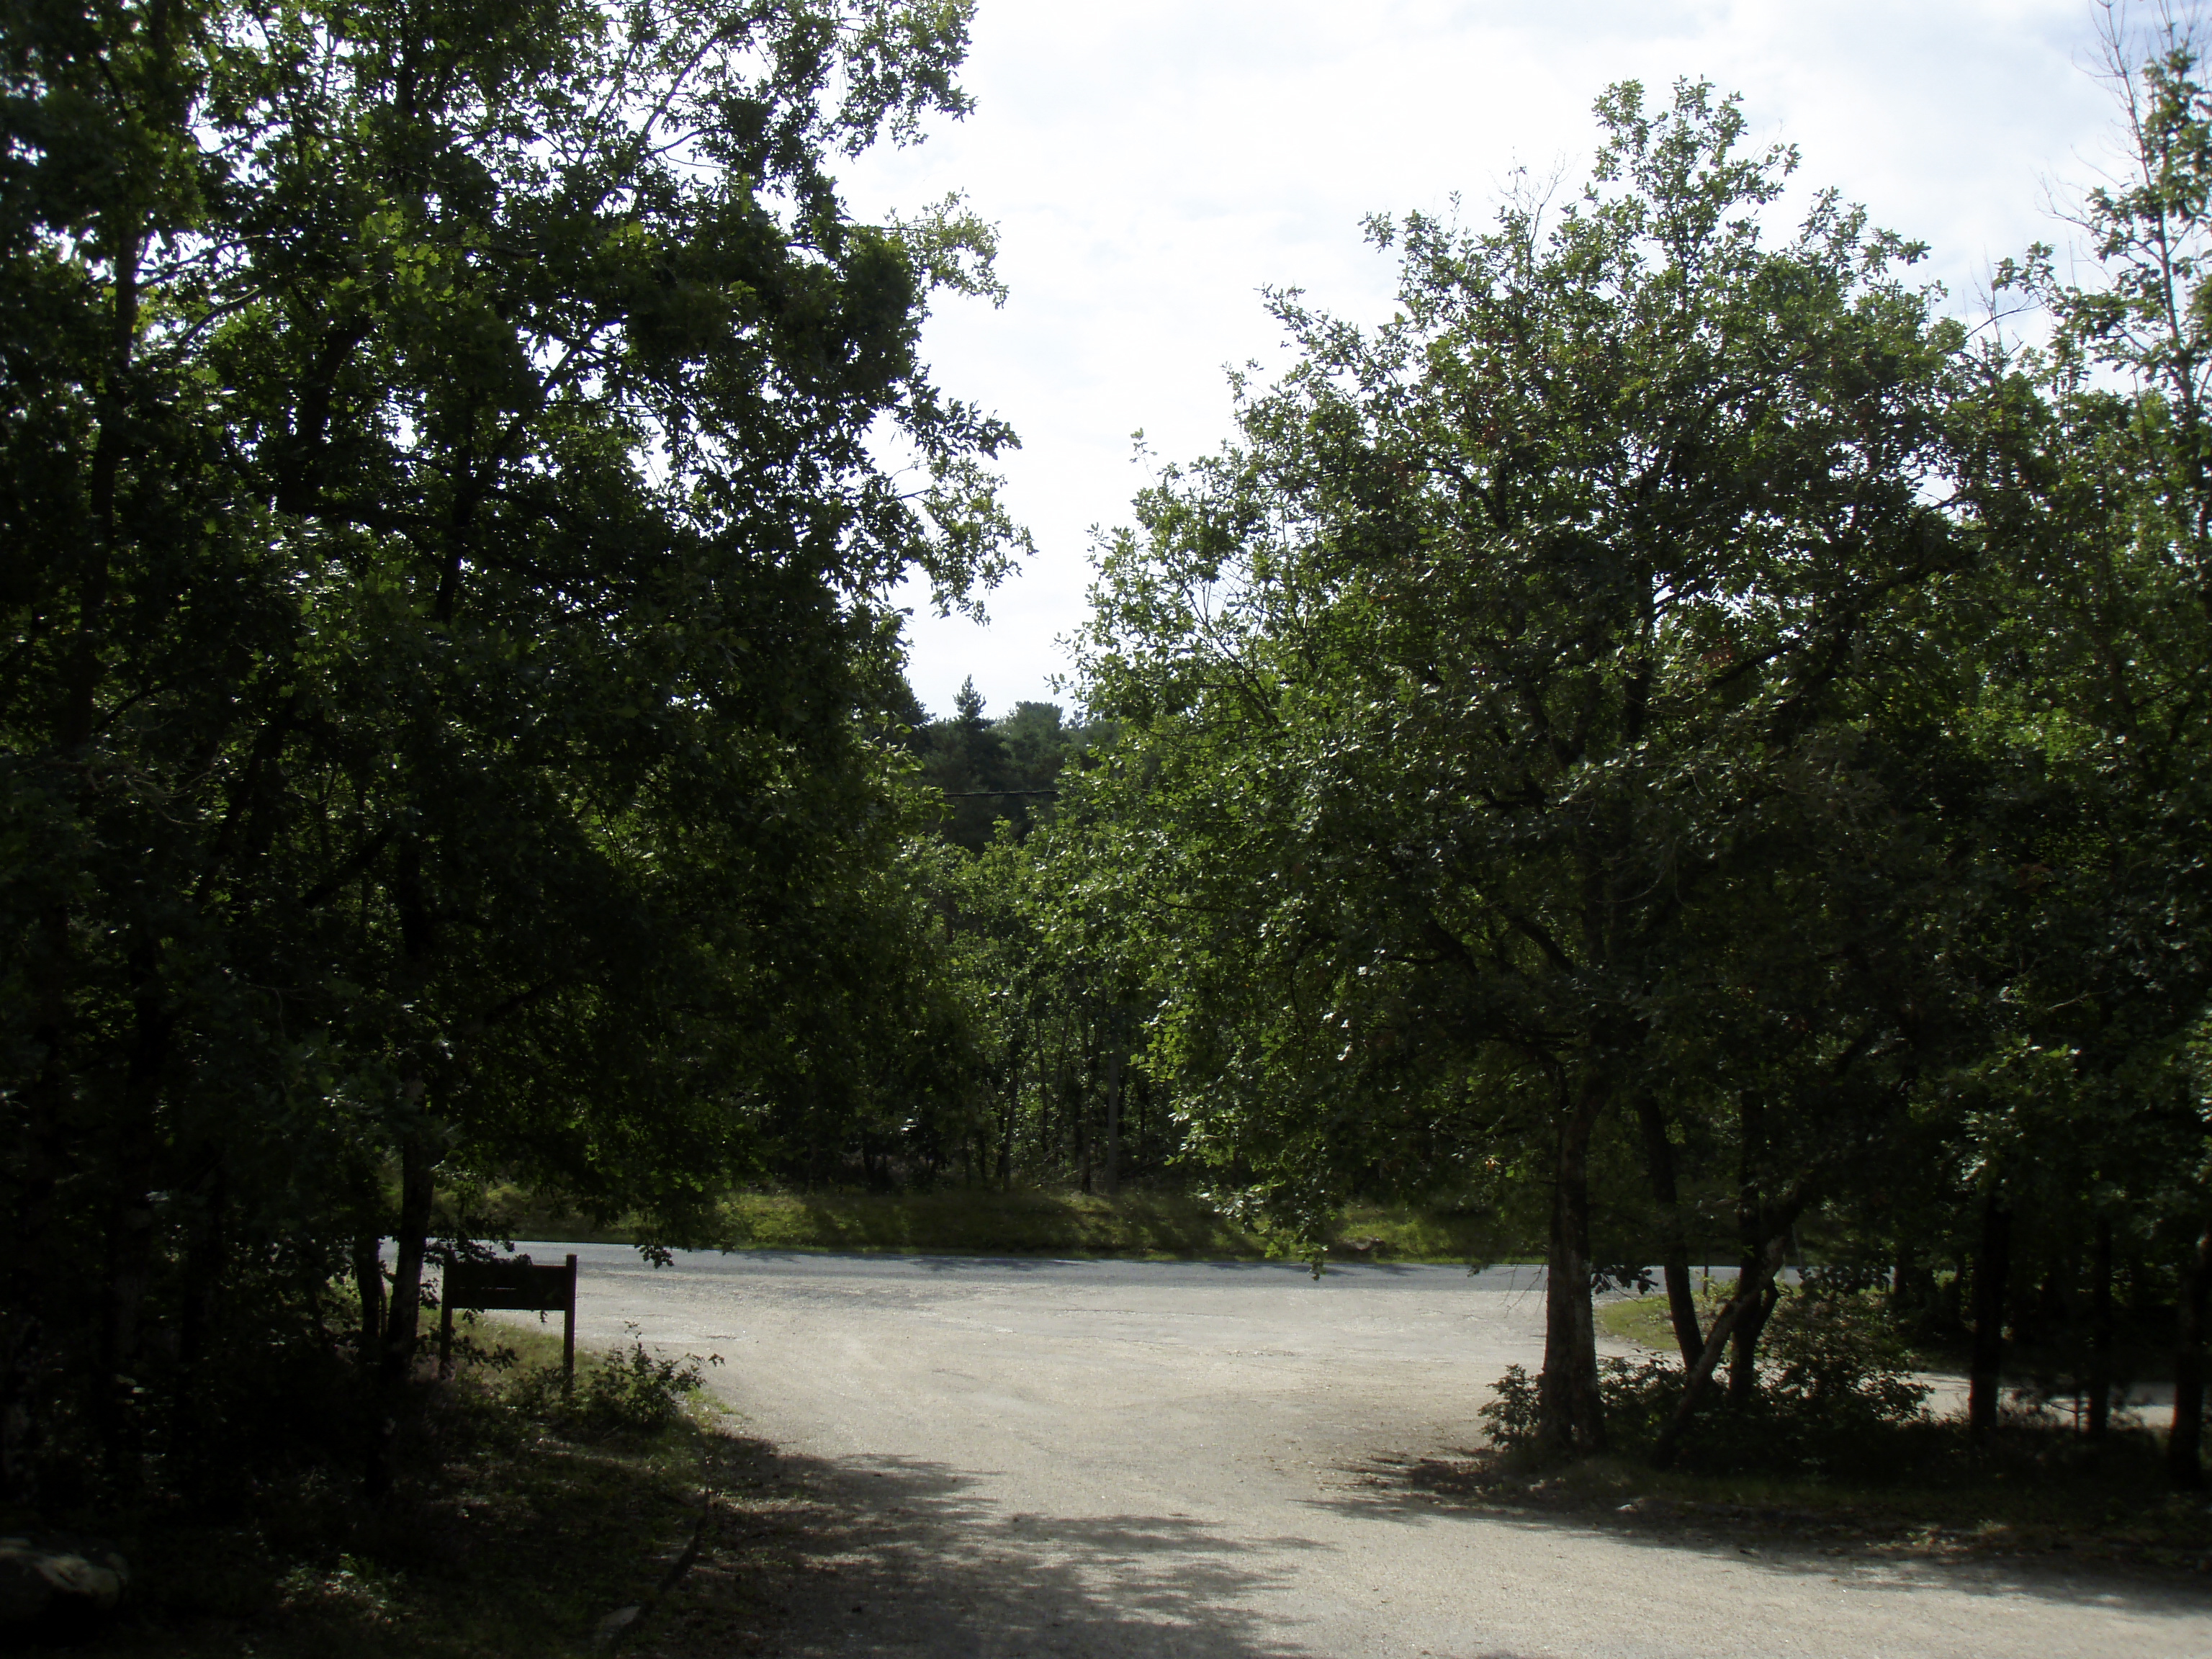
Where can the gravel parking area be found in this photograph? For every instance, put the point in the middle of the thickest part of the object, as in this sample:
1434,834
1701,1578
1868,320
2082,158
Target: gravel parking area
1109,1458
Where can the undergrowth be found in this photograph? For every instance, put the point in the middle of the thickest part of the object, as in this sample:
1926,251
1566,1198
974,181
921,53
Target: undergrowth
1836,1451
525,1510
1832,1399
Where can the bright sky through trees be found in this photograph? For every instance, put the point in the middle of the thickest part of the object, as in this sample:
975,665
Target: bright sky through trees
1152,165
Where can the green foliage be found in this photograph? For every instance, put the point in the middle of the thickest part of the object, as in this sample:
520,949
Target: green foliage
1838,1362
1833,1401
1513,1413
634,1392
501,1536
979,1221
1666,741
999,772
1671,730
1526,717
445,636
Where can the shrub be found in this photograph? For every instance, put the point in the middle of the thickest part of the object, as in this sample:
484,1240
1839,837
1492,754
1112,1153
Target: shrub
1837,1360
1512,1415
1832,1398
638,1392
635,1393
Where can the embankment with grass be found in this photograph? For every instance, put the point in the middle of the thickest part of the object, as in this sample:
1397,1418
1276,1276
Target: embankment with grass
969,1221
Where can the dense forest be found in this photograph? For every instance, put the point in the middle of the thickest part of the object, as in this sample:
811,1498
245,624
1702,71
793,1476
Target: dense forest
1682,742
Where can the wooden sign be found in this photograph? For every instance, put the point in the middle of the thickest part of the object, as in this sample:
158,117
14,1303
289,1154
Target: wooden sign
516,1283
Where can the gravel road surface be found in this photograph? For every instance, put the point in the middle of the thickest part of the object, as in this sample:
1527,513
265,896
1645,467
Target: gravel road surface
1194,1460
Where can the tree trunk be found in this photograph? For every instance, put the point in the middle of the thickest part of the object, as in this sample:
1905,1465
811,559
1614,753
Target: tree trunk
1992,1266
1750,1322
368,1283
1147,1150
130,1236
1750,1327
43,1160
2101,1331
416,1190
196,1324
1751,1291
396,1360
129,1269
1114,1117
1570,1416
1674,1247
1078,1114
1911,1285
2185,1465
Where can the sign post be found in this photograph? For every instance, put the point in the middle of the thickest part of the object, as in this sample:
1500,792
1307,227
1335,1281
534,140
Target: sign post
519,1283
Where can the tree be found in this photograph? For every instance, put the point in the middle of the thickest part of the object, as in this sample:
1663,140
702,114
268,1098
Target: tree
997,771
2098,486
1522,651
451,583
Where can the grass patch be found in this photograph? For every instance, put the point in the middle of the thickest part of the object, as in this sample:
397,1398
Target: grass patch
1646,1321
1401,1233
971,1221
519,1521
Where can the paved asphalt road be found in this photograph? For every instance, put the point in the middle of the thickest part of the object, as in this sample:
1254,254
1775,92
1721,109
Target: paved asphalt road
1096,1458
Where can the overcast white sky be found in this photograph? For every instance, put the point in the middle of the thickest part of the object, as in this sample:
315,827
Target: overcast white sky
1152,165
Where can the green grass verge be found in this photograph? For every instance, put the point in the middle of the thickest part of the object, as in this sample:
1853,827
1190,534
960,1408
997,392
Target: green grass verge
973,1223
1643,1320
957,1221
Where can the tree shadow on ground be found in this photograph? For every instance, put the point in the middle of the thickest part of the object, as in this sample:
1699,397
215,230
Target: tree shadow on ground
811,1556
1784,1542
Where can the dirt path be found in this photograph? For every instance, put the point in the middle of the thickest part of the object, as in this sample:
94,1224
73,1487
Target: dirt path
1190,1459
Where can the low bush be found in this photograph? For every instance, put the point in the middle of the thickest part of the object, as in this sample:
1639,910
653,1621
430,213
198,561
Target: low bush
1838,1360
636,1394
1832,1398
